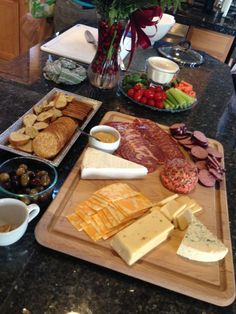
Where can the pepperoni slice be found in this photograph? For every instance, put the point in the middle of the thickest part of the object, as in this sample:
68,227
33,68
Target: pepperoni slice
206,178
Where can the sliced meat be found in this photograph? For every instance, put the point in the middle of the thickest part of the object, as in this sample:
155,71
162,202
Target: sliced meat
178,129
213,162
200,138
201,164
179,175
215,153
206,178
181,137
199,152
186,141
218,176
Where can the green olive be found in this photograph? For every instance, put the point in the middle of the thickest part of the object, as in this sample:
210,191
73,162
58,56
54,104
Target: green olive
4,176
20,171
24,179
25,200
23,166
45,180
42,173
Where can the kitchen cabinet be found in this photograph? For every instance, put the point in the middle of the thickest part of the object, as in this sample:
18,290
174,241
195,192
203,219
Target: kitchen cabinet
216,44
18,29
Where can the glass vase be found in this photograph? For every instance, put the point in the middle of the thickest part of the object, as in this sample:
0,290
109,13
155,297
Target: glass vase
103,72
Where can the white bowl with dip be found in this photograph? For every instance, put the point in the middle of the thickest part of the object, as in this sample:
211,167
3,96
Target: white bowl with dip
161,70
108,138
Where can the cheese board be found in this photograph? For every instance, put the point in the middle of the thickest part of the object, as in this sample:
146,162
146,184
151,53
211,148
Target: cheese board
211,282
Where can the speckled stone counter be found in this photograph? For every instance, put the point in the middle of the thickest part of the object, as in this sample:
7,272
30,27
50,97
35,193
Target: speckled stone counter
195,16
37,280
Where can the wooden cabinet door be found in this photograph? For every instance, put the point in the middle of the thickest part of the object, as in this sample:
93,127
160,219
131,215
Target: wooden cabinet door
9,29
214,43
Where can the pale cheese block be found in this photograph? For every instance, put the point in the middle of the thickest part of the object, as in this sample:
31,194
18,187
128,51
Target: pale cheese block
139,238
183,219
196,209
172,209
167,199
97,164
184,199
199,244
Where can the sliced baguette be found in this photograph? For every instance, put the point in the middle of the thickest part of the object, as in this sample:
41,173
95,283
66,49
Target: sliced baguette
17,139
29,119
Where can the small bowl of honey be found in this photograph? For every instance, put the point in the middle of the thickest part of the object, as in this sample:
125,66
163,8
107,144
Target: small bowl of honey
105,138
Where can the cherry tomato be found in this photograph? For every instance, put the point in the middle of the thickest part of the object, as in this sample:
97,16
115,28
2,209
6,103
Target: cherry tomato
149,93
150,102
143,100
137,96
130,92
158,89
158,96
159,104
138,86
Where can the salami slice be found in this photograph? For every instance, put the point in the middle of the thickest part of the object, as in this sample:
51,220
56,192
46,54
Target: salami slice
178,129
199,152
200,138
215,153
218,175
206,178
201,164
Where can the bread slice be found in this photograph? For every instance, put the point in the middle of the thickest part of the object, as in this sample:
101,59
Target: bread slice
44,116
28,147
29,119
17,139
31,131
40,125
60,101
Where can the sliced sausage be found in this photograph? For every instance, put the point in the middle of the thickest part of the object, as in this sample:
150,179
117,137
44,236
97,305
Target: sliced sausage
201,164
178,129
200,138
199,152
206,178
215,153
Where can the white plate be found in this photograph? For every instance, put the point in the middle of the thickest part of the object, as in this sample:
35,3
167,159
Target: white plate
72,44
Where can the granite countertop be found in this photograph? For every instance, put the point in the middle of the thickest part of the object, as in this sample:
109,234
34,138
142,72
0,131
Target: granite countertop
195,16
35,279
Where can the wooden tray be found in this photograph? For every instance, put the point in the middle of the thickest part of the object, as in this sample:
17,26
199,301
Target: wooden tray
210,282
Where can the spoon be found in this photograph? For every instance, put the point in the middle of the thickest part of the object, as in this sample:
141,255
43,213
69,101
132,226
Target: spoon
89,135
90,38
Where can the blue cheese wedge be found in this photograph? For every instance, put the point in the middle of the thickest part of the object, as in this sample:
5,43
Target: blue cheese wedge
146,233
97,164
199,244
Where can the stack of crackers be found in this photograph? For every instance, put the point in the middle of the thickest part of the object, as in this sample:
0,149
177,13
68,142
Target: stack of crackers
109,210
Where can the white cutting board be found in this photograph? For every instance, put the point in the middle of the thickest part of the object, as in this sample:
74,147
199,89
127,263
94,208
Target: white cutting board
73,45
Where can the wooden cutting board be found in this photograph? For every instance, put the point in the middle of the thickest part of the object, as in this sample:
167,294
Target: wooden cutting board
210,282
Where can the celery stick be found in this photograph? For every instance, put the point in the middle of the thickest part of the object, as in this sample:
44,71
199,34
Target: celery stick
178,97
189,100
168,104
172,99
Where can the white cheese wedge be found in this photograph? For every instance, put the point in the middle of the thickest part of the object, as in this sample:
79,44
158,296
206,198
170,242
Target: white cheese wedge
199,244
142,236
183,219
172,209
97,164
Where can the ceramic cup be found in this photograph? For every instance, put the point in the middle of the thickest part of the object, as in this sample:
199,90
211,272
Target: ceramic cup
14,218
161,70
106,147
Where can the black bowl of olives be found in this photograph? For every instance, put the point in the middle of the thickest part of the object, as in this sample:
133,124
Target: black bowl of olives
27,179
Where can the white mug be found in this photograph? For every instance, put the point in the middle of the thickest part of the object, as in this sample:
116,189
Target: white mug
15,214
